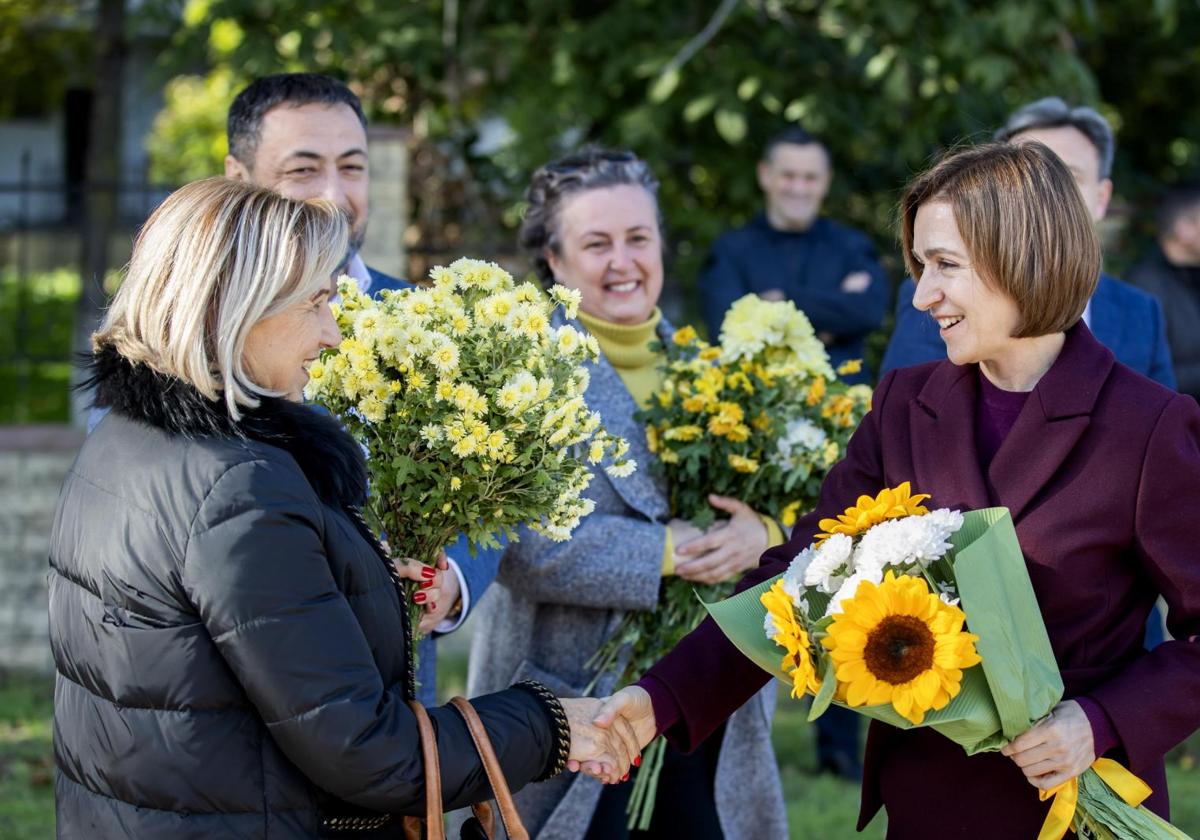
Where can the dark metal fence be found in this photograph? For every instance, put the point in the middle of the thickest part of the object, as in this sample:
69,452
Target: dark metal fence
42,236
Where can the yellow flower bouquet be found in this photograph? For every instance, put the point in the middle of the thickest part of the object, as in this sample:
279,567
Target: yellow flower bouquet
927,618
761,418
470,406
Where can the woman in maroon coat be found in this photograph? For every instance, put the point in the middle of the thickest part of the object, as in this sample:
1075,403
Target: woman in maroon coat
1099,466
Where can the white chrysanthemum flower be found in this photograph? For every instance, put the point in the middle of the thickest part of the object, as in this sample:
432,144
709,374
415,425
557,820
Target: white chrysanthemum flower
623,469
901,543
769,626
799,566
794,589
848,588
831,559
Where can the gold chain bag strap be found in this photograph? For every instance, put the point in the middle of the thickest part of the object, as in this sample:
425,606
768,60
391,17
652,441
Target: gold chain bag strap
432,828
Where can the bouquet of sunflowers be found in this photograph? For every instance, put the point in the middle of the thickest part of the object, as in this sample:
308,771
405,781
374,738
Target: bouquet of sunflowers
761,418
927,618
470,406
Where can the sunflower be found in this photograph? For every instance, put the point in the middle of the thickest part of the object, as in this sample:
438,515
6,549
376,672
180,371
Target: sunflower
899,643
790,634
891,503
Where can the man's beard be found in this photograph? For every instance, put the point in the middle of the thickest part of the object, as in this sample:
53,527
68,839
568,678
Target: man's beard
358,233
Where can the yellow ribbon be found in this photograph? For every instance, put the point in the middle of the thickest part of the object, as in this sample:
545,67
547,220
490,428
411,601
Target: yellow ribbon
1062,811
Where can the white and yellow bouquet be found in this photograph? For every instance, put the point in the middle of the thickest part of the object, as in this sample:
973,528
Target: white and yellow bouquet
470,405
761,418
927,618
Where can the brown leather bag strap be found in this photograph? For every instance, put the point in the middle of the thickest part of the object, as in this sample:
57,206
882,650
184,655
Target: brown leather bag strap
434,827
508,808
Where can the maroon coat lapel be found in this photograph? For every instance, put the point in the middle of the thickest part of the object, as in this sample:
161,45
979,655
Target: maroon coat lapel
945,461
1055,417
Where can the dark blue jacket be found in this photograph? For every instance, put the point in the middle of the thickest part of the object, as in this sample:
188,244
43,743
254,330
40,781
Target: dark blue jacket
808,267
1126,320
478,572
385,282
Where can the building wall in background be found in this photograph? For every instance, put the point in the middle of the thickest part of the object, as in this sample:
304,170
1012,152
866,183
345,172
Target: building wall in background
33,462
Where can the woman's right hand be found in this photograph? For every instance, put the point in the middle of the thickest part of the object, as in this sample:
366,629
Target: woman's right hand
603,752
630,707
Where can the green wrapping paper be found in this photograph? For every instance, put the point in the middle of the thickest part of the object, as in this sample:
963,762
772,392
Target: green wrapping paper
993,706
1016,684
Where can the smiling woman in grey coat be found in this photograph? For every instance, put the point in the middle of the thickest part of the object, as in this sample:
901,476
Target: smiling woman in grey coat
593,225
229,636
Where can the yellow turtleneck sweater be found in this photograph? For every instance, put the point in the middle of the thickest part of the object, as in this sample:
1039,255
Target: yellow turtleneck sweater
627,348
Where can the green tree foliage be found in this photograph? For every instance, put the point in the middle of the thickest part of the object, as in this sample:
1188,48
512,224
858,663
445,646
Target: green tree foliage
41,54
188,139
697,87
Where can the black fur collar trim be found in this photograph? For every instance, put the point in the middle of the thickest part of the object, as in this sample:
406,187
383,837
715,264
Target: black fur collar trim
329,457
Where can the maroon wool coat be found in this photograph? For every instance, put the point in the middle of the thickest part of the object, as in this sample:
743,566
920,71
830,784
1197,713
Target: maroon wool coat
1102,475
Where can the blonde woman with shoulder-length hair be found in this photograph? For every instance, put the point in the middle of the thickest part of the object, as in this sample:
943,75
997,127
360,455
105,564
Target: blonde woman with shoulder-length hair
229,639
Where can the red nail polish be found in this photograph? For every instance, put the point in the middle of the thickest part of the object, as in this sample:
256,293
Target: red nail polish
432,606
419,598
625,778
428,572
637,761
425,584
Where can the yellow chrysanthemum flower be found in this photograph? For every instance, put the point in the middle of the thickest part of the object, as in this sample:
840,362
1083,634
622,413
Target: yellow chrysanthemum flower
685,336
830,455
729,416
816,391
568,299
901,644
891,503
568,339
742,464
710,354
788,516
683,433
791,636
849,367
455,483
442,277
739,433
595,452
466,447
444,356
696,403
652,438
372,410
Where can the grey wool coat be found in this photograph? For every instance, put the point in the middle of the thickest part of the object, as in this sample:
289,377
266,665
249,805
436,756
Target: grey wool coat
554,604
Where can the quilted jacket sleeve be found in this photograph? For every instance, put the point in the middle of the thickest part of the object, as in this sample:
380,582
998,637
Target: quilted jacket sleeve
256,570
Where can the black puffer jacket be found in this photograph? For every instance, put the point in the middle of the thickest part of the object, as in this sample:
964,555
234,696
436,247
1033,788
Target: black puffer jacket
230,645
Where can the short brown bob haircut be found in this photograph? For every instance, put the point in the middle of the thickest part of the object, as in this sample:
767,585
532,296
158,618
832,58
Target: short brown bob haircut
1026,229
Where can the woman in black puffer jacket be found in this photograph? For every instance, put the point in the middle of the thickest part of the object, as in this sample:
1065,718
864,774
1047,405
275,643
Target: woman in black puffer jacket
229,637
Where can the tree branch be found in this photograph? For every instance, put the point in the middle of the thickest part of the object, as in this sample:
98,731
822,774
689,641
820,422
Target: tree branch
701,38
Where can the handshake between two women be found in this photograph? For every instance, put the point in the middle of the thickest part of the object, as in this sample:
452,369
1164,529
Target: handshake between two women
608,735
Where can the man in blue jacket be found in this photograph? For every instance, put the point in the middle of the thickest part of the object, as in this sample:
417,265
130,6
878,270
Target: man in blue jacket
1125,319
790,252
304,135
